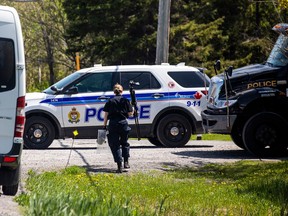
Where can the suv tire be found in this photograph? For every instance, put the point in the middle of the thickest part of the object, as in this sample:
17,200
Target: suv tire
155,141
39,133
174,130
264,134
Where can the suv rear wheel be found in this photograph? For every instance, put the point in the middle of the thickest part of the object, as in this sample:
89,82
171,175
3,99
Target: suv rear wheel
174,130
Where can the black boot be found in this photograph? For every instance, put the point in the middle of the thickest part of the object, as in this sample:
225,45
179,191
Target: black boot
119,166
126,163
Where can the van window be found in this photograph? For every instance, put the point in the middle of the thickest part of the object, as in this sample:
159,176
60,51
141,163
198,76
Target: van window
145,79
189,79
7,65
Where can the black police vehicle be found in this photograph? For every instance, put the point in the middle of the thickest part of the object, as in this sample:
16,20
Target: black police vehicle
250,103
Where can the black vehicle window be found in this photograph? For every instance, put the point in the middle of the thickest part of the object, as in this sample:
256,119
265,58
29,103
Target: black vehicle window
64,82
145,79
95,82
7,65
189,79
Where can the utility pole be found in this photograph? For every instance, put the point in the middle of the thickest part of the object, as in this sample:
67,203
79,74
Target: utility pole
162,49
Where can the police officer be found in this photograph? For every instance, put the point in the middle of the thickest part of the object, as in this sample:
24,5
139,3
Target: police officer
117,110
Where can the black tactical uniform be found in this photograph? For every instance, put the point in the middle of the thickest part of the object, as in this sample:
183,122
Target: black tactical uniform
118,109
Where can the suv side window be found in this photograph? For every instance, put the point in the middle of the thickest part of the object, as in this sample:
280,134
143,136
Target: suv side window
95,82
7,65
146,80
189,79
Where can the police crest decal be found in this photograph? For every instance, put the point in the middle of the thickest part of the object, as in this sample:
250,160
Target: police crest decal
74,116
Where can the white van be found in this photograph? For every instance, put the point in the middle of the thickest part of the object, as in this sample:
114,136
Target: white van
12,99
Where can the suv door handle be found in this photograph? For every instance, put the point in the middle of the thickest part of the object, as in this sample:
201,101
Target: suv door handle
157,95
103,98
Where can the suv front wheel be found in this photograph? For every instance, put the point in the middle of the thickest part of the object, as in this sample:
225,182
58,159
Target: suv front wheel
39,133
174,130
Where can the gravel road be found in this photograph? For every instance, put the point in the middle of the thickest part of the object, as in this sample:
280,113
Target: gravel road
98,159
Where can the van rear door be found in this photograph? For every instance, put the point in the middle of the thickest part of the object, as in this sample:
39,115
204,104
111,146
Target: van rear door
11,75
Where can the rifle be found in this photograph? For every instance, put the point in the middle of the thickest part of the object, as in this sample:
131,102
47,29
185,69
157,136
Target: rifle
134,104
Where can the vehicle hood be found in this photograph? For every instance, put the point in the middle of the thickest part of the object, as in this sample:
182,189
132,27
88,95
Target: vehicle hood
35,96
243,77
252,73
252,70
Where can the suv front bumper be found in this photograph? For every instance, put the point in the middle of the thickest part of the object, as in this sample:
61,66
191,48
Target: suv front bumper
217,123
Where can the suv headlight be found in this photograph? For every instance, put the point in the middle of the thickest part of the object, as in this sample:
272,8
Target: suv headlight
223,103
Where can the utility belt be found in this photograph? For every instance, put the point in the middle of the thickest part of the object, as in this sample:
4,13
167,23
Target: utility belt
119,119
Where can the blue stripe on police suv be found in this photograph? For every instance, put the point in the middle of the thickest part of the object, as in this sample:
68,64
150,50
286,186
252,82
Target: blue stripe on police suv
94,99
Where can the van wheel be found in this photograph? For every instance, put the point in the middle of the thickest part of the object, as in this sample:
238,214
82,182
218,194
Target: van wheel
39,133
264,134
154,141
10,190
174,130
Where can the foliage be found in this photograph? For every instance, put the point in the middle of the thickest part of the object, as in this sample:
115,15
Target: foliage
125,32
43,24
209,136
112,32
241,188
237,32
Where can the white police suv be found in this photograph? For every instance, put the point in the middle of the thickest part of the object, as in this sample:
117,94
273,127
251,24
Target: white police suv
169,101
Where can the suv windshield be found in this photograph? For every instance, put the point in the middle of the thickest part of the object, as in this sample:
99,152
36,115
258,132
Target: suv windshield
64,82
279,54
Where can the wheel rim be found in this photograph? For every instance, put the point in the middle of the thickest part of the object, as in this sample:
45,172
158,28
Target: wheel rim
266,136
175,131
37,133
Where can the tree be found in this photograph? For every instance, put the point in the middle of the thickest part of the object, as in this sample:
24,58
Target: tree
43,24
124,32
112,32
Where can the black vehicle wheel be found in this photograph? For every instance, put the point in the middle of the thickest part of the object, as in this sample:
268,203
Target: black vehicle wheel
174,130
264,135
39,133
155,141
10,179
237,138
10,190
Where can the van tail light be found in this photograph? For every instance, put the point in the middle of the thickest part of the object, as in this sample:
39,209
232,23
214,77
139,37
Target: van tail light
9,159
20,119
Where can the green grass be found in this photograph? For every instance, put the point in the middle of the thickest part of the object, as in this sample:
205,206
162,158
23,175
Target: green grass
242,188
208,136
